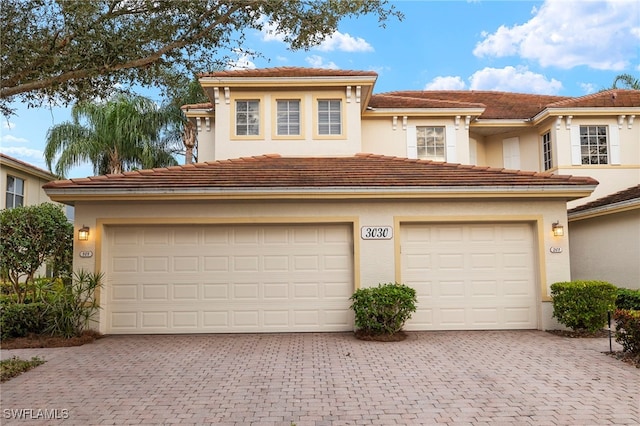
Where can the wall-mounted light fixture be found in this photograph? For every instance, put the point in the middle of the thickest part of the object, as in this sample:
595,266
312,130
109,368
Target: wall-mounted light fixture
83,233
558,230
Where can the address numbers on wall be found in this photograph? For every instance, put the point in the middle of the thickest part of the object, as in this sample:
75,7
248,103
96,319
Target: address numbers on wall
376,232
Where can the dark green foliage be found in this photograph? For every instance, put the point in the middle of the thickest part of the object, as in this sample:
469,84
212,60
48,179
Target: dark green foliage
30,236
628,299
383,309
628,329
583,305
20,320
73,50
71,307
63,309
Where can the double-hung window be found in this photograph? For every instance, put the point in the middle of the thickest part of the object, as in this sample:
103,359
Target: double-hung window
547,157
430,143
247,118
330,117
594,145
15,192
288,121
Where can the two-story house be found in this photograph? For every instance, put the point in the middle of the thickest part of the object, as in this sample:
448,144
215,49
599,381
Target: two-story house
462,195
21,183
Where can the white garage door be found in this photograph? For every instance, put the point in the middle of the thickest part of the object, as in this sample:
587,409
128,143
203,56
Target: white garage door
470,276
211,279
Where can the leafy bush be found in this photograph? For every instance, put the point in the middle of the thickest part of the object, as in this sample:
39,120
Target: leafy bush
583,305
19,319
29,237
383,309
71,306
628,329
628,299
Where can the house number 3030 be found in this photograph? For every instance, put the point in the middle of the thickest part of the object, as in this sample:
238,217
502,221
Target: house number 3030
376,232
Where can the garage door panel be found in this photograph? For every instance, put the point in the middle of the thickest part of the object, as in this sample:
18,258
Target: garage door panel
470,276
227,279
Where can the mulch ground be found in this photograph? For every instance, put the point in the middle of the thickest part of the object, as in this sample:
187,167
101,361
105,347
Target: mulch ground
395,337
46,341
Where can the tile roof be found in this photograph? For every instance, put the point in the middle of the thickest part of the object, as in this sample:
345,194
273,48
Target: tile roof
289,72
628,194
359,171
612,98
499,105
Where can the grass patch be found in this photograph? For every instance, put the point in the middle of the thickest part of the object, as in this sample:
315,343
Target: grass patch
15,366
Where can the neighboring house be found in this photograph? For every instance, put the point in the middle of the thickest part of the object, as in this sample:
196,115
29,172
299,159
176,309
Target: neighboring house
21,183
605,239
252,241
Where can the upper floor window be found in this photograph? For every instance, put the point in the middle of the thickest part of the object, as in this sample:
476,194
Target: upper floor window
15,192
430,143
248,118
594,145
546,151
330,117
288,121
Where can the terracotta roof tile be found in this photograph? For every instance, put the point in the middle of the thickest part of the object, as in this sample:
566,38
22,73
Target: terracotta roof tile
608,98
363,170
499,105
628,194
289,72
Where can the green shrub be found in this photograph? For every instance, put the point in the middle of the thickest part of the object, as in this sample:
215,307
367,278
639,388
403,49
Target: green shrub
383,309
628,329
71,306
583,305
628,299
20,320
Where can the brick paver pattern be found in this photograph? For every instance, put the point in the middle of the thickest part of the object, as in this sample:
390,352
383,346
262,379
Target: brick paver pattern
450,378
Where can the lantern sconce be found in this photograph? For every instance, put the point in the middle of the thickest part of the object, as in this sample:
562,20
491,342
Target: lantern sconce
558,230
83,233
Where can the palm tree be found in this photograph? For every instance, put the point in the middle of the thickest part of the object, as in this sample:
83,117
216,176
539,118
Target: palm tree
123,133
627,81
183,131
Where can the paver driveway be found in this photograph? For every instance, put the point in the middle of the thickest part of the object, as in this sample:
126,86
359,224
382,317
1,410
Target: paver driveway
501,377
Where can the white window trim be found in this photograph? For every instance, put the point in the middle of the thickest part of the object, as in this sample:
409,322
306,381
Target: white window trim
450,150
14,194
316,118
613,145
274,125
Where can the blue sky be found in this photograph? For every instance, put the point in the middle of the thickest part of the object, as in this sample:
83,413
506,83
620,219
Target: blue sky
558,47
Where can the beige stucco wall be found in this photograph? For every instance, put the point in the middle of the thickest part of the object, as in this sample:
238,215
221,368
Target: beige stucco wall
375,260
33,192
612,178
607,248
227,145
386,136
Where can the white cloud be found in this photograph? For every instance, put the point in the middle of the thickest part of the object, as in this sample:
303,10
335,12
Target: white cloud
6,124
512,79
242,63
598,34
446,83
317,61
270,32
588,88
12,139
344,43
30,153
